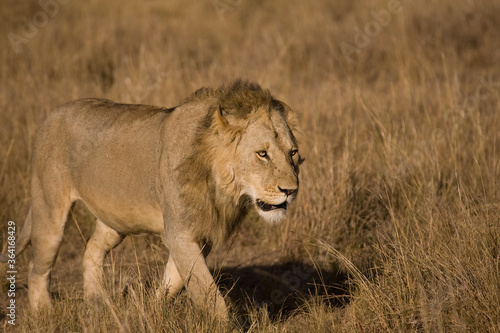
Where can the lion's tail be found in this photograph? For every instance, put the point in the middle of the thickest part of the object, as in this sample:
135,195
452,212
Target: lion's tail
22,241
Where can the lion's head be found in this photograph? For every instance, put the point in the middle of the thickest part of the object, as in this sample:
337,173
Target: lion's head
250,151
265,163
262,157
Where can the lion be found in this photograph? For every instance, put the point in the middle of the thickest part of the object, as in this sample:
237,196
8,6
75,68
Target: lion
189,173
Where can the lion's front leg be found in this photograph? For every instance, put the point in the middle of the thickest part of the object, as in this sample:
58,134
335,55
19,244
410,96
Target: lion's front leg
171,282
190,262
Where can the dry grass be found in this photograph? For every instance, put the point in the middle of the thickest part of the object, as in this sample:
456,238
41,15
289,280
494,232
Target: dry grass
397,225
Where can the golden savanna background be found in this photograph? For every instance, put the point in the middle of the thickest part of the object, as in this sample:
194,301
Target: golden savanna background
397,223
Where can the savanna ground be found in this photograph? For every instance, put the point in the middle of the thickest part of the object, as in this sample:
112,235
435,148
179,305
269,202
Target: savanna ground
397,224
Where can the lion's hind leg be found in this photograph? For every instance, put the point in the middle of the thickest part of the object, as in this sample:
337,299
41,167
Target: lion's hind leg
49,211
102,241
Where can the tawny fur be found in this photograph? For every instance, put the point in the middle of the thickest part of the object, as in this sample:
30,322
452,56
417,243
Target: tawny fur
188,173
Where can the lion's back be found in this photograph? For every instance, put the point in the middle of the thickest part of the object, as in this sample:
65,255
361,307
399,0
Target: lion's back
97,146
100,132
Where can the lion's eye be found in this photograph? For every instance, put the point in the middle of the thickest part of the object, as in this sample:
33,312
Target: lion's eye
294,152
262,153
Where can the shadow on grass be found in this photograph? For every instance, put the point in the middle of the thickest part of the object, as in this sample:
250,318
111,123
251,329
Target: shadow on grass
283,288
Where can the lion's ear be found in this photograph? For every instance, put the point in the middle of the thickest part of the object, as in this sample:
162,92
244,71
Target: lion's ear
225,118
285,110
219,116
288,113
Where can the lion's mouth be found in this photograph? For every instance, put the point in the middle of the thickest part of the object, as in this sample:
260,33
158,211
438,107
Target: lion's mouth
267,207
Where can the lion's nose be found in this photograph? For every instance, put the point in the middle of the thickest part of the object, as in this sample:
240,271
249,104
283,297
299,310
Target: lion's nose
289,191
